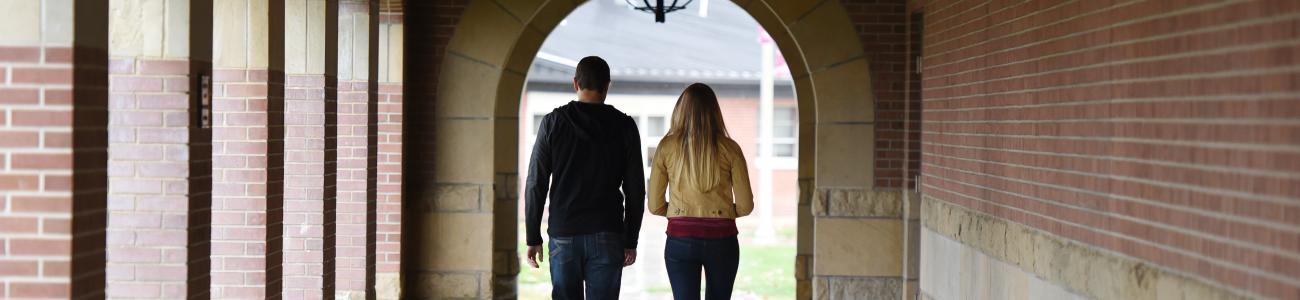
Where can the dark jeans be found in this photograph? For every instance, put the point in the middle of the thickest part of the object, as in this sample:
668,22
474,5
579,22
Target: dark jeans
594,258
718,257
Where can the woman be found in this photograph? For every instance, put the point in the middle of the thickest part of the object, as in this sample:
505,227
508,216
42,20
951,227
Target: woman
710,189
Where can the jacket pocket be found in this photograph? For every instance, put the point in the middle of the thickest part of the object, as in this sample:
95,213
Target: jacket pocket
677,209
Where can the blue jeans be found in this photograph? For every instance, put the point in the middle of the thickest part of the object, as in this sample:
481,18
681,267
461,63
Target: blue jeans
594,258
684,258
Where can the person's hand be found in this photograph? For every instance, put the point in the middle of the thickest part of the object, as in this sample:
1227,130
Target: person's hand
535,255
629,257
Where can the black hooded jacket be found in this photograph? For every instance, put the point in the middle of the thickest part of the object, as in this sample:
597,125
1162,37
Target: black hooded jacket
589,151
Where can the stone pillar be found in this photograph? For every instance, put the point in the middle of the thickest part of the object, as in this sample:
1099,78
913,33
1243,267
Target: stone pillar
803,264
850,228
912,155
357,102
159,154
858,224
388,216
505,161
248,147
911,244
451,197
804,231
310,144
53,134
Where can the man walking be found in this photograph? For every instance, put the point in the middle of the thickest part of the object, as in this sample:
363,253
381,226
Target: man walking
590,150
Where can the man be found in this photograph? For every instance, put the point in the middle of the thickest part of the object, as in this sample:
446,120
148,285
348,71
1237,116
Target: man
590,149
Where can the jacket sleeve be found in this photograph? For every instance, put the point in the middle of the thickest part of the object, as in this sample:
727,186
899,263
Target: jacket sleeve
633,188
740,183
658,183
538,184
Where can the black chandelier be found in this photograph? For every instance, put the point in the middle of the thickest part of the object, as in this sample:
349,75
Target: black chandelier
659,9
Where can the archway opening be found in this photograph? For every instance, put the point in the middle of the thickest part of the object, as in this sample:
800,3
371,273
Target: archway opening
463,196
715,43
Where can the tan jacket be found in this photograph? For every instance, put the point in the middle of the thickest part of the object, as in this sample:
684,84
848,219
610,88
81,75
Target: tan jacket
731,198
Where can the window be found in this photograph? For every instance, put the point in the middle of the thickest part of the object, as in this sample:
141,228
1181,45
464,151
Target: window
785,131
537,122
650,156
655,127
783,150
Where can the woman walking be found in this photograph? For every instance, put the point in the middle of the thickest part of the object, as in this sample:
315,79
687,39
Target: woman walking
710,189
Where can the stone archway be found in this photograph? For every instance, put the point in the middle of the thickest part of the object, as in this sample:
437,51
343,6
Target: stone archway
469,204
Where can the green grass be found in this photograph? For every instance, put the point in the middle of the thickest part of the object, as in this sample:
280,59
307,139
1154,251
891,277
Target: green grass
529,275
660,290
767,271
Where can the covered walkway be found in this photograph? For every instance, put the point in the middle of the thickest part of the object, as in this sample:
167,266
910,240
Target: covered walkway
363,149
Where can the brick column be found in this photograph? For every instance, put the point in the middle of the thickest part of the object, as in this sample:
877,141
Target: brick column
309,185
152,183
247,149
53,122
388,232
356,152
354,190
310,148
148,177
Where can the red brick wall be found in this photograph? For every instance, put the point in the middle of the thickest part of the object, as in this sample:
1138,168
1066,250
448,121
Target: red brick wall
388,235
242,182
741,117
53,183
880,24
353,185
309,191
1160,130
357,142
36,105
389,129
149,177
54,137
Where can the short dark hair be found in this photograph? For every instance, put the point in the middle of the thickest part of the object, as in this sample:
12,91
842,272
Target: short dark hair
592,74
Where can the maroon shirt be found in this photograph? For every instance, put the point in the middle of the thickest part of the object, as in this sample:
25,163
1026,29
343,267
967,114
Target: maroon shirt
702,228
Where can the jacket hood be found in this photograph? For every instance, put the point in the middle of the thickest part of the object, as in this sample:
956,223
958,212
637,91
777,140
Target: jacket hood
591,121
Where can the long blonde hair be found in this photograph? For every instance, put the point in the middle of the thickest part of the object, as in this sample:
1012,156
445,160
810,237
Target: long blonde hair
698,129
